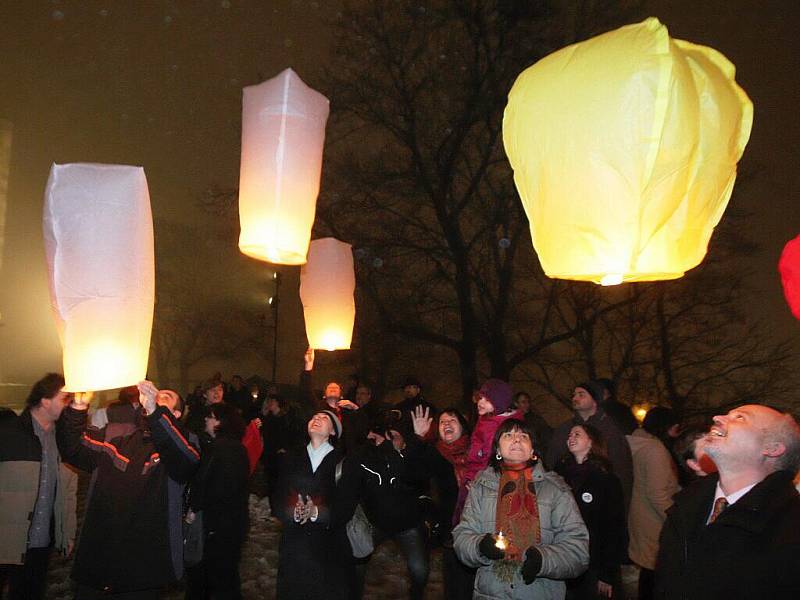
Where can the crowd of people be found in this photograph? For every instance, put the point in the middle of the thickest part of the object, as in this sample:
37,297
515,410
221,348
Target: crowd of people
518,510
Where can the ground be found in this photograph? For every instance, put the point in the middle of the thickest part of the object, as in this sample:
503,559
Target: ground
386,576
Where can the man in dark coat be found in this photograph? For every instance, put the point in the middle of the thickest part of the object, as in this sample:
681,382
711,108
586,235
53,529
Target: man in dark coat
586,401
737,534
135,501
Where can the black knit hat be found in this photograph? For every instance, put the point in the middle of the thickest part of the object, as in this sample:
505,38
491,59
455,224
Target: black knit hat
595,390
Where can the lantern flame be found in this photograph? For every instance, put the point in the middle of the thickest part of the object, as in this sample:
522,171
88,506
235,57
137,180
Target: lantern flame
611,279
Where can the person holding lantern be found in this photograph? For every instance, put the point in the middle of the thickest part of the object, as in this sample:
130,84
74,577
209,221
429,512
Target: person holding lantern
136,501
544,540
332,400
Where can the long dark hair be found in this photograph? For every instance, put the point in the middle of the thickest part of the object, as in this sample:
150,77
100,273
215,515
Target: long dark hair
505,427
598,453
231,425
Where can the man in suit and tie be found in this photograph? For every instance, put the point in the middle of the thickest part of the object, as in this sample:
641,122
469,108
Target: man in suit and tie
736,534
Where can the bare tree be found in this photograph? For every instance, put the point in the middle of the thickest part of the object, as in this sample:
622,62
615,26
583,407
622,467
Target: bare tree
420,181
206,303
684,343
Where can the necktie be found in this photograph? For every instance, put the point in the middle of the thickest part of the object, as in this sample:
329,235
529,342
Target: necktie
720,504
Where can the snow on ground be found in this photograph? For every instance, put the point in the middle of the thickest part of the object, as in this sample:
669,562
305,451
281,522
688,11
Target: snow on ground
386,576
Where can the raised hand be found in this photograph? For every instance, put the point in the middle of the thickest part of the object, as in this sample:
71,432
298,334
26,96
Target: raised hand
147,395
421,420
308,360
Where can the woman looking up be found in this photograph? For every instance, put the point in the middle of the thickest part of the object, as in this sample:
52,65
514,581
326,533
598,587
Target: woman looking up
307,567
544,539
598,493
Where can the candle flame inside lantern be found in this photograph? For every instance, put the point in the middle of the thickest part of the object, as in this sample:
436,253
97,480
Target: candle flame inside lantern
500,541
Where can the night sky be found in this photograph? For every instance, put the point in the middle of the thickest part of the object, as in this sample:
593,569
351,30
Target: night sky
158,84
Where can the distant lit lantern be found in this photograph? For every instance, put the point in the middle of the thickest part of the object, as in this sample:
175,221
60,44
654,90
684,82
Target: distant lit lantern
624,149
327,284
98,234
789,267
283,132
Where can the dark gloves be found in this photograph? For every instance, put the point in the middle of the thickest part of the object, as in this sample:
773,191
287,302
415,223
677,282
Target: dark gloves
489,550
532,565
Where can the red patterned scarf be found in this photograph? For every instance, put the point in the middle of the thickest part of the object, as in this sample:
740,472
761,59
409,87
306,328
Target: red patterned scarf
517,513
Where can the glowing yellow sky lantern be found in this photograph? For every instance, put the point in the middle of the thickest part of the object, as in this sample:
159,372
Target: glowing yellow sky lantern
624,149
98,234
327,283
283,132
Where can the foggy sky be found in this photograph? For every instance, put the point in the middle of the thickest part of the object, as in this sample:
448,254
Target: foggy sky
158,84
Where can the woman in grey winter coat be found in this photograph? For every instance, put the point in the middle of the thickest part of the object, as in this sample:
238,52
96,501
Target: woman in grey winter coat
545,538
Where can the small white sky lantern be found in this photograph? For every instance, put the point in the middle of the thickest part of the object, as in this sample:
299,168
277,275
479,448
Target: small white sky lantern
327,284
283,133
624,149
98,234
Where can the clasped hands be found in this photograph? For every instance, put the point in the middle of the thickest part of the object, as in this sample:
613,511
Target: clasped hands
305,511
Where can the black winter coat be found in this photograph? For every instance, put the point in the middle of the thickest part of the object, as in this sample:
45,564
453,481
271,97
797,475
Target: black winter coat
751,551
310,558
619,451
220,489
598,494
134,506
387,483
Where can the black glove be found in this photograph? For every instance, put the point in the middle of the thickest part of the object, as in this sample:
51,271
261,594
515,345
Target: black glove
489,550
532,565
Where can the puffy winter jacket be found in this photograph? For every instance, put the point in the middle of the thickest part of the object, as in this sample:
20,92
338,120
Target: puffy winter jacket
564,547
20,461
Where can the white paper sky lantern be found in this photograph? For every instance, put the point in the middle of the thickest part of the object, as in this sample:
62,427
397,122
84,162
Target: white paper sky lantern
283,132
98,234
327,284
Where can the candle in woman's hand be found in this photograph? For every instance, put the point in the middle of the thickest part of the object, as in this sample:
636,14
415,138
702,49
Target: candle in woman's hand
500,541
